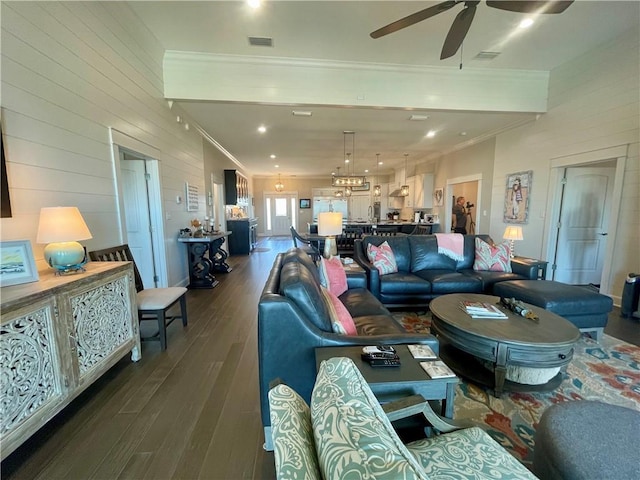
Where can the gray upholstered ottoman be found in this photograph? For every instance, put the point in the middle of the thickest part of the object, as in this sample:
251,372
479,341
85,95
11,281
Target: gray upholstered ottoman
587,310
587,440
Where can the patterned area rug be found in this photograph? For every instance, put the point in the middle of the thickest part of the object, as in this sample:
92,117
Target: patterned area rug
608,371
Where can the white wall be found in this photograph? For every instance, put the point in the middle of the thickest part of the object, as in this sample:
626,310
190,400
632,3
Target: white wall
69,72
593,104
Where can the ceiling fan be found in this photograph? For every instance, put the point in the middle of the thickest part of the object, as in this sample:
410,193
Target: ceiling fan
462,22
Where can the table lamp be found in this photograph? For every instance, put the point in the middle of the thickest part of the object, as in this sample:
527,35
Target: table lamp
330,225
512,233
61,228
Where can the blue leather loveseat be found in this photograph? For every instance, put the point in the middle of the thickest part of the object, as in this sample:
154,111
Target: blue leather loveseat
293,320
424,274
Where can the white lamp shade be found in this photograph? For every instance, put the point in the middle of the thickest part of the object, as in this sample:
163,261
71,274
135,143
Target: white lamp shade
329,223
513,233
62,224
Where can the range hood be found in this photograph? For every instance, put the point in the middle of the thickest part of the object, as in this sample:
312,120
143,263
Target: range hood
396,193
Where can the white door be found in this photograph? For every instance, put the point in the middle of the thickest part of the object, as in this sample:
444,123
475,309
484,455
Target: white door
137,219
584,218
280,213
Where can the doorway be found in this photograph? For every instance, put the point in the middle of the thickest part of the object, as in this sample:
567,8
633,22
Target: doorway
470,188
141,218
587,191
280,213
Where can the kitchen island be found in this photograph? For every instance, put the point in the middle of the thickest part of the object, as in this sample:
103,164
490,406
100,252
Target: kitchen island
369,227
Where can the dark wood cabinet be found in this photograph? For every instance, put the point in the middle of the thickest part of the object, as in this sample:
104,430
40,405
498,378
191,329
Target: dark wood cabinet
244,236
236,188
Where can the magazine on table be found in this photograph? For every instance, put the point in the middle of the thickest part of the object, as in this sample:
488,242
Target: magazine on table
482,309
437,369
422,352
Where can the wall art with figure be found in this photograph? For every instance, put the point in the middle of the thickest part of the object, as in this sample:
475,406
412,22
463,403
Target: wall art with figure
516,201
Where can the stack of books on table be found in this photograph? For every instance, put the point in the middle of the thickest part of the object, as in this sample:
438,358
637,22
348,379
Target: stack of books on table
437,369
482,310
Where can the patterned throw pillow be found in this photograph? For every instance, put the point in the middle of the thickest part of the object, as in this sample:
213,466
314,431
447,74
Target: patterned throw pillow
382,258
333,276
494,258
354,438
341,319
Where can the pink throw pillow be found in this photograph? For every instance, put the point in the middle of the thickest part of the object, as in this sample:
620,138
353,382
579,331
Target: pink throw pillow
382,258
333,276
495,258
341,319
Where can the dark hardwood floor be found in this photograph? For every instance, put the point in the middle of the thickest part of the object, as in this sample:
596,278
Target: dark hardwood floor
191,412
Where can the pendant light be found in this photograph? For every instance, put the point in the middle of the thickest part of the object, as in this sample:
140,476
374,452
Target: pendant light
337,193
279,185
404,189
377,189
347,189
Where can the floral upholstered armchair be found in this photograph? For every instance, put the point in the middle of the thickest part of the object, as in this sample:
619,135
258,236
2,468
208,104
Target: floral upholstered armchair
347,434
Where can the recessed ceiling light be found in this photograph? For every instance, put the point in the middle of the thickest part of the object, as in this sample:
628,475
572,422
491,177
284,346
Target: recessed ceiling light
254,3
262,129
380,163
463,134
431,133
366,170
526,23
277,166
418,118
272,156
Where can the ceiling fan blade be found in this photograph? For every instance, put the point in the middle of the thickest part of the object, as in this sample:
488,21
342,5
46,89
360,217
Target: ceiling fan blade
458,31
414,18
525,6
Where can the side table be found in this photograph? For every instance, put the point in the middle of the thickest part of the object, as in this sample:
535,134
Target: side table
532,262
392,383
201,265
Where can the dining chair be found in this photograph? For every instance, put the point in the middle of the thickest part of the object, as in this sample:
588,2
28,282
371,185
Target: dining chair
384,231
153,303
305,244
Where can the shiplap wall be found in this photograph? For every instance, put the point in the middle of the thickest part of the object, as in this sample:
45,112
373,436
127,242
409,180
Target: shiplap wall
71,70
593,104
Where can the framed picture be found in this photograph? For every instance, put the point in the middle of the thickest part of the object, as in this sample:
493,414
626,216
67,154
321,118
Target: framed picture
16,263
305,203
361,188
516,200
438,197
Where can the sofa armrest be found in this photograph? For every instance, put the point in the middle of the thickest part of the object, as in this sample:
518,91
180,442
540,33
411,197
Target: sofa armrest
373,276
530,272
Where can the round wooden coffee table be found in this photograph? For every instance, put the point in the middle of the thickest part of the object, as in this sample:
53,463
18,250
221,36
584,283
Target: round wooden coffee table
503,343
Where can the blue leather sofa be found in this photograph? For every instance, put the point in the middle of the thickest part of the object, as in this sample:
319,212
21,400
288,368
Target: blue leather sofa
293,320
424,274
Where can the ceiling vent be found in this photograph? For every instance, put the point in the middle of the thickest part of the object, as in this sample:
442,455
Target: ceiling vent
418,118
261,41
486,55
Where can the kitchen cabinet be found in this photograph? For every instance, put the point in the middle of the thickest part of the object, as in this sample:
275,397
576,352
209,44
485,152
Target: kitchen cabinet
59,335
359,207
423,191
236,188
244,235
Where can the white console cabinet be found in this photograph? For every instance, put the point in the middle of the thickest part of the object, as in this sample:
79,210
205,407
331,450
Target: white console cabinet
57,336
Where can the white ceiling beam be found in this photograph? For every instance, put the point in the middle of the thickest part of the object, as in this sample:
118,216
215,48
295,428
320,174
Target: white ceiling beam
235,78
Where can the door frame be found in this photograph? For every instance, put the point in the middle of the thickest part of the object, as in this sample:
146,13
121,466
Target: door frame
556,174
150,154
446,226
294,211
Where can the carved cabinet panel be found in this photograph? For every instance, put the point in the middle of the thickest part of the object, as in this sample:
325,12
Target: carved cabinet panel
57,336
32,378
